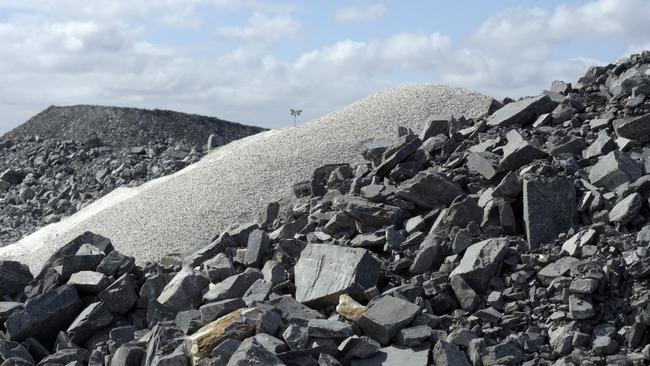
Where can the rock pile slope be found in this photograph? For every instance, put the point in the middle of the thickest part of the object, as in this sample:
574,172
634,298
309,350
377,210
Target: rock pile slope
518,238
42,181
235,181
127,127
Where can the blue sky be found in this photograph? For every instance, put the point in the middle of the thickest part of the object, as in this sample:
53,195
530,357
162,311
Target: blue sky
250,61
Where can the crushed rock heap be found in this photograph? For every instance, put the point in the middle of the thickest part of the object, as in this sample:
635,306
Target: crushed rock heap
127,127
64,158
519,238
46,180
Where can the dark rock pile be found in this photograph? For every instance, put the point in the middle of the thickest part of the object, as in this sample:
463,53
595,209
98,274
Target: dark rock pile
127,127
42,181
520,238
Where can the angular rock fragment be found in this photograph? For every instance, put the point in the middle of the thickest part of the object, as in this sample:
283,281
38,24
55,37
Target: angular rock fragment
519,152
89,282
13,277
407,147
429,189
447,354
396,356
556,269
326,271
480,262
626,210
326,328
349,308
437,125
257,248
184,291
483,163
614,169
121,295
251,352
232,287
522,112
89,321
550,208
44,315
386,317
633,128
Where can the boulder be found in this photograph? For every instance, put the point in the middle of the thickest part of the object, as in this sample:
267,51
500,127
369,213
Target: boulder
481,262
614,169
325,271
88,322
550,208
386,317
522,112
45,315
13,277
396,356
429,189
184,291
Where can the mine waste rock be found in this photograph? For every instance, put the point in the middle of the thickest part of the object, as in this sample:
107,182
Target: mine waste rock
66,157
129,127
518,238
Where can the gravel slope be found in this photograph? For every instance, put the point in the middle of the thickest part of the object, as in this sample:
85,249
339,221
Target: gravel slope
232,183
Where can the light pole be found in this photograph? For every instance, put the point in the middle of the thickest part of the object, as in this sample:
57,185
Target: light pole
295,113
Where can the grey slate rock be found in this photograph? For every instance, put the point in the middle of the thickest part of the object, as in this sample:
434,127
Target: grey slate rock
12,176
128,355
614,169
16,361
218,268
483,163
446,354
327,328
232,287
325,271
358,347
45,315
396,356
386,317
15,276
90,320
437,125
601,146
294,312
414,336
467,297
580,308
7,308
480,262
519,152
116,264
428,256
259,291
10,349
429,189
189,321
184,291
404,151
67,356
372,215
89,282
252,353
502,354
121,295
522,112
633,128
257,248
550,208
556,269
215,310
626,210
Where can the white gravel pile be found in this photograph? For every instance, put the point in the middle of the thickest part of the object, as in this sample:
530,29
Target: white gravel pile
233,183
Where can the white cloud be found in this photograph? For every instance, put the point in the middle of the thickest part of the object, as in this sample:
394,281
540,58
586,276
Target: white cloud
59,52
264,28
352,14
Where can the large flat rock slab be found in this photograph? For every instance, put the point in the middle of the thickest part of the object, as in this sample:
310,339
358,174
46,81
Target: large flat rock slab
550,208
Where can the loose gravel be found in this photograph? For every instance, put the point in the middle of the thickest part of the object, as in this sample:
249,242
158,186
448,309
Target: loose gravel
231,184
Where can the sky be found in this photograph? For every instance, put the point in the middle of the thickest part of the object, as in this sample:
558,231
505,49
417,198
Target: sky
250,61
